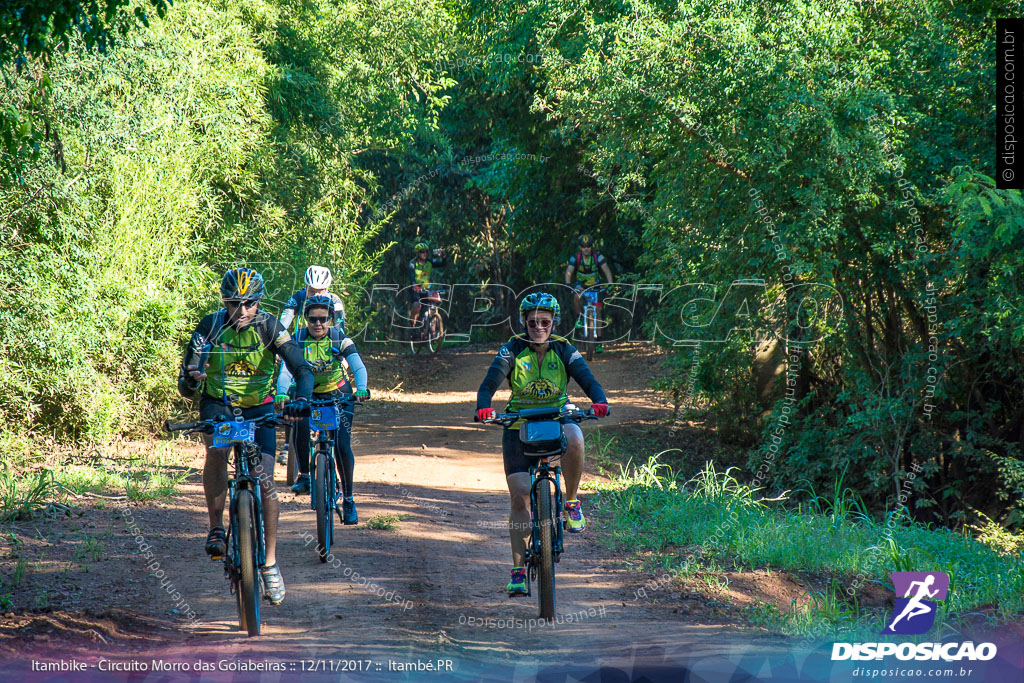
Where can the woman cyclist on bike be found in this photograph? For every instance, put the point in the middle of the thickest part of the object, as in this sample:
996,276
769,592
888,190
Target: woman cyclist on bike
327,350
538,366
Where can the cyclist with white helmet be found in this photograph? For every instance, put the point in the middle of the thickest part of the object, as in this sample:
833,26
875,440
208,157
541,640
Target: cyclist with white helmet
318,281
538,366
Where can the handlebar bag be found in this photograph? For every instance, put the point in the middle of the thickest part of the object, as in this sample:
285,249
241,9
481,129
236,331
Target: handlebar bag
542,438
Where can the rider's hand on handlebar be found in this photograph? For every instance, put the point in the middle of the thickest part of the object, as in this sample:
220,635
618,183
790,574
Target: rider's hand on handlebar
600,409
193,371
485,414
280,400
296,410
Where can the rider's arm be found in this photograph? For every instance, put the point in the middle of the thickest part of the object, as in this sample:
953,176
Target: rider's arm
294,361
500,368
291,308
569,270
578,369
339,313
355,363
412,274
606,269
186,385
284,380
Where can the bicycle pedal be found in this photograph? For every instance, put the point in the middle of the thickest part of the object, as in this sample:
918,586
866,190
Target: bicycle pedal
216,558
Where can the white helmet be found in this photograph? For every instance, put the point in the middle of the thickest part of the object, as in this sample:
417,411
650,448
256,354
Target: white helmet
318,277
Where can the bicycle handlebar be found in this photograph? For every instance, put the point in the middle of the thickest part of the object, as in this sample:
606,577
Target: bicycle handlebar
508,418
208,426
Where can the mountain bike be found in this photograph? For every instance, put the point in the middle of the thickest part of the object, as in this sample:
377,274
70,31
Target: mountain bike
430,333
591,314
247,549
324,418
543,440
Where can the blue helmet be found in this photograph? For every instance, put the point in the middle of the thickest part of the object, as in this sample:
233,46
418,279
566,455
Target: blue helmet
319,300
539,301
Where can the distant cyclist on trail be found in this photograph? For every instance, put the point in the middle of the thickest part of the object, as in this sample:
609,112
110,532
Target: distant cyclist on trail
328,351
420,270
915,607
318,282
242,341
538,366
583,272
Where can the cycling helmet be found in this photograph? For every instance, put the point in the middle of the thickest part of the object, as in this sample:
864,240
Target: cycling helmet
539,301
318,277
319,300
242,284
421,246
585,241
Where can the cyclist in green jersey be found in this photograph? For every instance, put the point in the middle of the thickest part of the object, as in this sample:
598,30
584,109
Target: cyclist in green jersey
328,352
238,344
538,366
584,271
420,269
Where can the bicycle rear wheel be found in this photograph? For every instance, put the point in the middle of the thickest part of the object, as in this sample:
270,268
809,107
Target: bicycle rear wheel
324,512
546,568
248,599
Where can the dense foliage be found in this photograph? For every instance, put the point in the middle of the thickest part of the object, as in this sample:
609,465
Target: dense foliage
810,180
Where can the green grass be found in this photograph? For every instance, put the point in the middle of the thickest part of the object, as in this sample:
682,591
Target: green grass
715,517
386,522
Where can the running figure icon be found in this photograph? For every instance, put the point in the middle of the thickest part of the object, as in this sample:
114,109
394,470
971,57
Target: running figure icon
914,606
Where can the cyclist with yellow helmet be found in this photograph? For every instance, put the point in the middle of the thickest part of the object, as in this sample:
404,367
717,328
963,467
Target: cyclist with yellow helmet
239,344
420,269
585,268
538,366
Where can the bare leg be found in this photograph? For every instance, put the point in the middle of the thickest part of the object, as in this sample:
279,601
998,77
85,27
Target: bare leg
572,460
268,493
519,516
215,483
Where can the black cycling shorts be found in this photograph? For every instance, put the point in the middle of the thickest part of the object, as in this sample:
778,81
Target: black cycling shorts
512,452
266,437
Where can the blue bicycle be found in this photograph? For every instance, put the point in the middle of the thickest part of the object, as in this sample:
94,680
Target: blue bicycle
324,417
247,549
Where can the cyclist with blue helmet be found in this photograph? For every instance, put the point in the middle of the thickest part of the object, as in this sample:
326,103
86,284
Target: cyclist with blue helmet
240,343
328,352
538,366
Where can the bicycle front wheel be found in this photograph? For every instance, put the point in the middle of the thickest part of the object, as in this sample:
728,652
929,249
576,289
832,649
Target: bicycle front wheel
293,459
248,598
546,568
323,510
591,325
436,333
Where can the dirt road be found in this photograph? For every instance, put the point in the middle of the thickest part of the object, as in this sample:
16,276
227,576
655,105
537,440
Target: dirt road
431,586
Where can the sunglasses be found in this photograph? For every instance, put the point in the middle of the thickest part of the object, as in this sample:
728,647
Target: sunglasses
318,319
543,324
246,304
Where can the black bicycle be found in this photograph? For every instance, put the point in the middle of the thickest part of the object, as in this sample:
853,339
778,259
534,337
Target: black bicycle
324,417
247,549
542,440
429,334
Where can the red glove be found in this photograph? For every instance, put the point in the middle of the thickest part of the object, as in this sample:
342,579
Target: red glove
485,414
600,409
